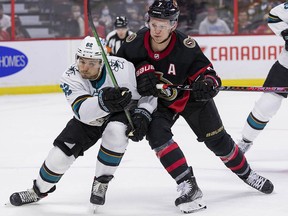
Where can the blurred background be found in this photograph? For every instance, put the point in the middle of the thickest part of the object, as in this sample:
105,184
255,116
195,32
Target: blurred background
39,38
34,19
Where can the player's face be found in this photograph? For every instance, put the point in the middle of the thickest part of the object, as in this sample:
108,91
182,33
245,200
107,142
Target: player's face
121,32
89,68
159,29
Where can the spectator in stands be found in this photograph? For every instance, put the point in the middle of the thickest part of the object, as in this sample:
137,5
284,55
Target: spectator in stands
255,13
258,12
20,31
212,24
136,22
132,7
200,13
106,18
244,3
4,34
100,27
135,11
263,27
5,20
244,24
75,25
118,35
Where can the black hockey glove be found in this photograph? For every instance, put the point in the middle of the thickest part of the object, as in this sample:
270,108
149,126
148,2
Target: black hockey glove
204,90
141,119
284,34
146,79
114,100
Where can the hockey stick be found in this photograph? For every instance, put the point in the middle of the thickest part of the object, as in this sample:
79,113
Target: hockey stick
93,28
229,88
107,65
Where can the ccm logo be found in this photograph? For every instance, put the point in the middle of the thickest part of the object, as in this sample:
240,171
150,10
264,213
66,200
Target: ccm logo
145,69
11,61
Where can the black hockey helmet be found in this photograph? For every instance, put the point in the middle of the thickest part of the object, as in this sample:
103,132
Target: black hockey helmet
164,9
121,22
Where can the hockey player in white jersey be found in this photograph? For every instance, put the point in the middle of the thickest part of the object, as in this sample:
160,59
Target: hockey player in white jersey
98,112
269,103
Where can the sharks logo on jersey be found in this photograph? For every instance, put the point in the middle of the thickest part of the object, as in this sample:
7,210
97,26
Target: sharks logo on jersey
116,65
71,71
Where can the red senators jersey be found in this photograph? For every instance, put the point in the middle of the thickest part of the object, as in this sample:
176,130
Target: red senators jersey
180,63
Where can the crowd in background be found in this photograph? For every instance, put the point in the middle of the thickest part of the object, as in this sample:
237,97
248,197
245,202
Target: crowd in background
66,18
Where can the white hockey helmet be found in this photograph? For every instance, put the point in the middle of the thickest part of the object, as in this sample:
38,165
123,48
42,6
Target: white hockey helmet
89,48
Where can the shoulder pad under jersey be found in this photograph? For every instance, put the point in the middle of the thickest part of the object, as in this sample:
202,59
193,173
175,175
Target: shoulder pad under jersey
131,37
189,42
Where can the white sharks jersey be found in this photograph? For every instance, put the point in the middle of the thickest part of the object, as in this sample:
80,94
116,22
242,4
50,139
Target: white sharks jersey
278,21
82,94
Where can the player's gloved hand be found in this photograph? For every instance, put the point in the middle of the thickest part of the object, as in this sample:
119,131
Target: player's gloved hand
203,90
114,100
141,119
146,79
284,34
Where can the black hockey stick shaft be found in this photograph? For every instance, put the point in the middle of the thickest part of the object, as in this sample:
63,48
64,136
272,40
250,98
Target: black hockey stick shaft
229,88
107,65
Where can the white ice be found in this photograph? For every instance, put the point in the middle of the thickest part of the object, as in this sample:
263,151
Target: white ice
30,123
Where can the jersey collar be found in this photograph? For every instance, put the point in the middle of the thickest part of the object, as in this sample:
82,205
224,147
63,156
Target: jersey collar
98,83
157,56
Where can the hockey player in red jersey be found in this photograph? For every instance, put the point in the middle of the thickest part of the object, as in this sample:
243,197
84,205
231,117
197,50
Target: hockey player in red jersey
269,103
161,54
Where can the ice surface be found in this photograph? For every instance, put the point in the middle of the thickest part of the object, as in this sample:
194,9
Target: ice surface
30,123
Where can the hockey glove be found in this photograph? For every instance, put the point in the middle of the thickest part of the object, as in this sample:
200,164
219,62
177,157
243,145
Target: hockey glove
114,100
141,119
146,79
204,90
284,34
